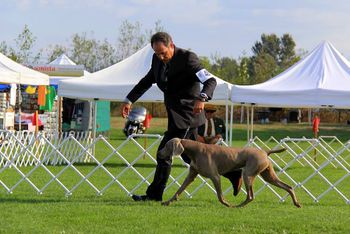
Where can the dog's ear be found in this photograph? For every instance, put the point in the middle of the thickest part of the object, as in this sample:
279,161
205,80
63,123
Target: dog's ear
178,149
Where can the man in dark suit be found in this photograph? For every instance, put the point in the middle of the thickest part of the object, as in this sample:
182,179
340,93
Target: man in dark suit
178,73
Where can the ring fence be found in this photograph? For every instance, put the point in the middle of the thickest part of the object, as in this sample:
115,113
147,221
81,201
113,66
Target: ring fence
318,169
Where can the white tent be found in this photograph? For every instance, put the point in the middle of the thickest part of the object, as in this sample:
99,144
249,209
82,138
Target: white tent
65,61
321,79
62,60
115,82
7,75
19,74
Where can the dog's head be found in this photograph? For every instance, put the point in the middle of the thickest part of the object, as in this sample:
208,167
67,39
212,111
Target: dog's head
172,148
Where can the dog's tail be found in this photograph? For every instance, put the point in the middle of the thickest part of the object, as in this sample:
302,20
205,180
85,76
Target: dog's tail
275,151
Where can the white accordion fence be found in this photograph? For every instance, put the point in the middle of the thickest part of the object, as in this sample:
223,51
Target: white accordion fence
317,168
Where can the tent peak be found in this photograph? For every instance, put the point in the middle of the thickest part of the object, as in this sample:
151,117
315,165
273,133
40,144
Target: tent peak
62,60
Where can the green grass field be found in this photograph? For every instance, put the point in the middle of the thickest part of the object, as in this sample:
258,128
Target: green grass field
25,211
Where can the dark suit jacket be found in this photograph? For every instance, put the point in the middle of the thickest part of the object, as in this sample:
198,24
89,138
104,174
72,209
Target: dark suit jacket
181,89
219,126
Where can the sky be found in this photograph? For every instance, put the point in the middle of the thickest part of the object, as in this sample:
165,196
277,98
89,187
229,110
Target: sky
222,27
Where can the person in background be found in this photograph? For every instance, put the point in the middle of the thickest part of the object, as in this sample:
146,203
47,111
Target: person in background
210,133
178,74
315,125
213,129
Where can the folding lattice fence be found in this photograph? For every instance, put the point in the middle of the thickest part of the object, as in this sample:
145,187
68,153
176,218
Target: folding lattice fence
68,162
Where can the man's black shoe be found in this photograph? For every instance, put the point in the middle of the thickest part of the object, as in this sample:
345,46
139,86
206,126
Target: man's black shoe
140,198
143,198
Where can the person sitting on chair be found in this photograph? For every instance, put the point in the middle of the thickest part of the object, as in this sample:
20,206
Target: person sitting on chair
213,129
210,133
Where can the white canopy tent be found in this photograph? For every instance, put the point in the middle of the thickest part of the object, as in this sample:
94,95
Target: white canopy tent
12,72
320,80
15,73
66,61
8,76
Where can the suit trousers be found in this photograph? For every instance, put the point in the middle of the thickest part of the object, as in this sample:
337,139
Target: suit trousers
156,188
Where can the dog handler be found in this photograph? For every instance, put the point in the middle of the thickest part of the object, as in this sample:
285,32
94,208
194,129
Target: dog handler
178,73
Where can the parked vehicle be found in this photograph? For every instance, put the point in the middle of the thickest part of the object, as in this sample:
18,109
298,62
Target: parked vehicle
135,121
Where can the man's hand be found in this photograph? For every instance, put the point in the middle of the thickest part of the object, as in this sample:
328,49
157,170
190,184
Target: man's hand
198,106
125,109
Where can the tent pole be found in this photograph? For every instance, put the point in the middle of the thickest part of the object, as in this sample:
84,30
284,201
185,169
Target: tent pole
226,113
19,108
94,115
59,114
242,114
248,127
252,123
309,116
226,120
231,123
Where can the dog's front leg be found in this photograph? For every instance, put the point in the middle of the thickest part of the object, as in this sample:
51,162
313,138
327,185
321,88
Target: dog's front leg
217,184
189,179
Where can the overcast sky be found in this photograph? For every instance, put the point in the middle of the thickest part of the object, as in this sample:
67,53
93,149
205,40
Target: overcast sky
225,27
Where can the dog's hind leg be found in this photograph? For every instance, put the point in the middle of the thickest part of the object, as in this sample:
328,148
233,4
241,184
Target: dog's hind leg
269,175
217,184
189,179
248,183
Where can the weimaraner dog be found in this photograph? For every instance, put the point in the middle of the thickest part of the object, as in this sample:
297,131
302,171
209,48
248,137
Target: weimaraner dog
211,161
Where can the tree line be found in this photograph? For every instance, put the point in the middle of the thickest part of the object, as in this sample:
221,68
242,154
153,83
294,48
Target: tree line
270,54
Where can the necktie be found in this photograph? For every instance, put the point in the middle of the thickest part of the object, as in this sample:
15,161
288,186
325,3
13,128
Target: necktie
209,128
164,73
163,76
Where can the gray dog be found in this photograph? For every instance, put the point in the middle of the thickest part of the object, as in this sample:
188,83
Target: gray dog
211,161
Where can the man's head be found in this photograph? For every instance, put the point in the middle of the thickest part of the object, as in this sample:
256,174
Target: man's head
209,111
163,46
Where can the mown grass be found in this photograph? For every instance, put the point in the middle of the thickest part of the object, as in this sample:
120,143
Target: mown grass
25,211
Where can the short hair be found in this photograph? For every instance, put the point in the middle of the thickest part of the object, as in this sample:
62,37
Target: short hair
163,37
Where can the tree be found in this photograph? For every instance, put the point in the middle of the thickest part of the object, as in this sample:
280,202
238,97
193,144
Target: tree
4,48
83,51
271,56
130,39
269,44
157,28
226,68
243,71
25,43
205,62
106,55
93,54
288,55
264,68
56,51
96,55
